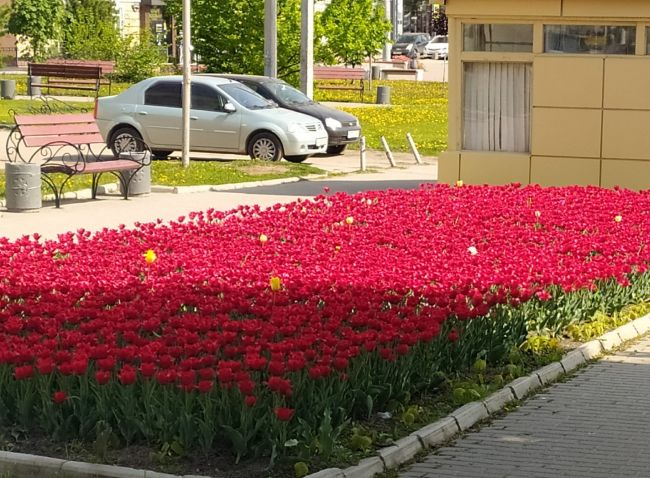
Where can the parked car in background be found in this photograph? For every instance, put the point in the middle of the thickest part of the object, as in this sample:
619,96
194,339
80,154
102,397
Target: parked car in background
226,117
437,48
342,128
407,42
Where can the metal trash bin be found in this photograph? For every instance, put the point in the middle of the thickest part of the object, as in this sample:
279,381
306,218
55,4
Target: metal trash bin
23,187
8,89
383,95
33,90
376,72
140,180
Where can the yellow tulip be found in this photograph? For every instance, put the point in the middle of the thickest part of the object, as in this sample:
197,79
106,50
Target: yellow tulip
349,220
263,238
276,283
150,256
618,218
459,183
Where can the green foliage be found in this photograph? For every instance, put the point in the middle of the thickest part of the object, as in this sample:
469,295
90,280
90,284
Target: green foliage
90,30
137,58
355,29
38,21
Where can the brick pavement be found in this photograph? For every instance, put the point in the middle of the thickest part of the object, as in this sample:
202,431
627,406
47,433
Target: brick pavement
594,425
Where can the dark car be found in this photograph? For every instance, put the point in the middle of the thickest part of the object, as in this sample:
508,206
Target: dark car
409,42
342,128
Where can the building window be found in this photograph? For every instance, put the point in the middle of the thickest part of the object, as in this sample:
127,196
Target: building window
590,39
647,37
498,37
496,107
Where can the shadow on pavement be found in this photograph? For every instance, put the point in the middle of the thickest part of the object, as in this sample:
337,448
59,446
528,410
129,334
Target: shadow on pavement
312,188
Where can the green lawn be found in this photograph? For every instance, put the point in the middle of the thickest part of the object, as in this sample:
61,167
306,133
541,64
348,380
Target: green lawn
172,173
417,107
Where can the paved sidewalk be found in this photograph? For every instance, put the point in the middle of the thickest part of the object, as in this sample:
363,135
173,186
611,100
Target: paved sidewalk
594,425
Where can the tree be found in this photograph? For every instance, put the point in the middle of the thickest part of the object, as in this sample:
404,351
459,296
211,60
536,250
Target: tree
439,21
90,30
36,20
355,29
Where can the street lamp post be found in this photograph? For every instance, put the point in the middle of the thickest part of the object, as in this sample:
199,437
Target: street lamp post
271,38
187,82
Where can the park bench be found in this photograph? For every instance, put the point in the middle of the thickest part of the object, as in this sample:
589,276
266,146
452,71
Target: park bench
354,78
107,66
63,144
61,76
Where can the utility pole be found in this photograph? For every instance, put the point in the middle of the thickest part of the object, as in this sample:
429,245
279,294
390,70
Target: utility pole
387,47
271,38
187,82
307,47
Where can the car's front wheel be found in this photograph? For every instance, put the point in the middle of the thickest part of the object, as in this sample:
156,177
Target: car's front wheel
338,149
265,146
296,159
125,140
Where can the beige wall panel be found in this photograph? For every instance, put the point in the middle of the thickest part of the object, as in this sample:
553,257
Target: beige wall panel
568,82
448,167
607,8
504,7
626,134
494,168
547,171
627,174
566,132
626,83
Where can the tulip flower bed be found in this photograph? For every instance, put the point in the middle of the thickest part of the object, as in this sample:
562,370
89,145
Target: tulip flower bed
253,327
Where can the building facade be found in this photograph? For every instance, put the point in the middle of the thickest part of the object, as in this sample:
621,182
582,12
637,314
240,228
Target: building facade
550,92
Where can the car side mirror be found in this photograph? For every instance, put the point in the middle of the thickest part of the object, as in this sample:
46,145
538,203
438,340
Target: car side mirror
229,108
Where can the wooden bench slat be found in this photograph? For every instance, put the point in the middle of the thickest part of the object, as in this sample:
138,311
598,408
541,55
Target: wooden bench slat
95,167
54,119
76,139
54,129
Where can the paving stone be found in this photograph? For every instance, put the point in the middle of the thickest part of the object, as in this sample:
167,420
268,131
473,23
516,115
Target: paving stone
642,324
26,465
550,373
76,469
591,350
404,450
572,361
627,332
522,386
610,340
470,414
438,432
498,400
327,473
367,468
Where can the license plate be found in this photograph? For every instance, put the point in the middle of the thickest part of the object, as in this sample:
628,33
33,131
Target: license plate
353,134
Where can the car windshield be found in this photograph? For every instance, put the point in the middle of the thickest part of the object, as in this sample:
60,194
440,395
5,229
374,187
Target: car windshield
439,40
406,39
245,96
287,93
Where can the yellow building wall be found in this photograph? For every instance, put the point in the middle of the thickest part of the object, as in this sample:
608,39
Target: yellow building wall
590,119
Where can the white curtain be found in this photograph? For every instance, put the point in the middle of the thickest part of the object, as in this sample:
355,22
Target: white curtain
496,107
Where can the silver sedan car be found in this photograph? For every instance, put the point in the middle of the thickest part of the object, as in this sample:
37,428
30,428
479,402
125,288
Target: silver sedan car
225,117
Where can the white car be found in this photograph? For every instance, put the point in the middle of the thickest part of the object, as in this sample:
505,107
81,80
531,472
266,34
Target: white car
225,117
437,48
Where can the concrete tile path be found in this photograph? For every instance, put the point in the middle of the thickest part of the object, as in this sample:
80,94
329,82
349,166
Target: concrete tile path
595,425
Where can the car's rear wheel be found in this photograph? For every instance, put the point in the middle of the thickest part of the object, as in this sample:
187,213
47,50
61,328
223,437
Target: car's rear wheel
265,146
338,149
125,140
161,154
296,159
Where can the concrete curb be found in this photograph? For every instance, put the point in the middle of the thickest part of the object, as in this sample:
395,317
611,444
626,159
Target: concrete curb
463,418
404,449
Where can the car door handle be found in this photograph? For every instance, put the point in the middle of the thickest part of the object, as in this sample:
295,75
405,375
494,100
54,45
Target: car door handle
143,113
194,117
